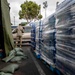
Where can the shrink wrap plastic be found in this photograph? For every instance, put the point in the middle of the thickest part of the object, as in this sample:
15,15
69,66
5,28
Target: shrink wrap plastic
37,36
48,36
65,37
33,36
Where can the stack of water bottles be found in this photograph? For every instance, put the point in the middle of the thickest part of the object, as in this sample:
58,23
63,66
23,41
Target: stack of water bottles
33,35
48,42
65,37
37,38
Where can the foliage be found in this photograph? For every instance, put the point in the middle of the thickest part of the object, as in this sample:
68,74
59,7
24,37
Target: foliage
39,16
24,23
29,10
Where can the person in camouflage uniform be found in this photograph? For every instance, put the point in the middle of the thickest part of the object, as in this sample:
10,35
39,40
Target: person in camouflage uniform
20,31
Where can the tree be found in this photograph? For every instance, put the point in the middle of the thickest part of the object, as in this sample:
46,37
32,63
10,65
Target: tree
29,10
39,16
23,23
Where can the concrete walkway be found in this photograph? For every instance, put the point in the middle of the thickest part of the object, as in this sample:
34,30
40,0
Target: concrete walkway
32,66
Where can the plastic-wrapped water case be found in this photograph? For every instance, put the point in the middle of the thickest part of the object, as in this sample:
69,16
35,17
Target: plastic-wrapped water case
38,29
33,36
65,33
48,43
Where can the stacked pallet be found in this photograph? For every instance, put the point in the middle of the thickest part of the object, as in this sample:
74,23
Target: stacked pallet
33,36
48,43
37,51
38,38
65,37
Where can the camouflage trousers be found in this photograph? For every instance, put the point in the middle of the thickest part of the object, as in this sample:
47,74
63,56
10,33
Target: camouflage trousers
19,41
